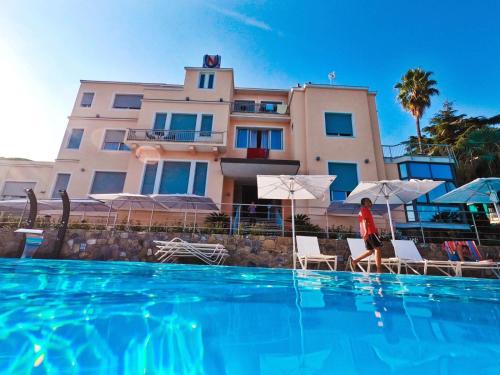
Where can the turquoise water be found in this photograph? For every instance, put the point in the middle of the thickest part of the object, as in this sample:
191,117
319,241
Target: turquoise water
76,317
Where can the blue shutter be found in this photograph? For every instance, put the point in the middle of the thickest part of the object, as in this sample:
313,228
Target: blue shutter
206,125
62,181
347,177
200,178
175,177
201,84
108,182
276,140
160,121
184,126
210,81
148,182
242,138
75,139
339,124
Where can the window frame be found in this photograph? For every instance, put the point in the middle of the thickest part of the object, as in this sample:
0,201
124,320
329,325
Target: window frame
94,172
207,73
353,124
113,97
122,143
69,139
199,115
268,128
159,171
91,102
55,182
328,174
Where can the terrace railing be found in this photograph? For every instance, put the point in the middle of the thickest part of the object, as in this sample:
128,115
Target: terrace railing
236,219
249,107
414,150
181,136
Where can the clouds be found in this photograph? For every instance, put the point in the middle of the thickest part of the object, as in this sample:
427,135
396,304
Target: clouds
243,18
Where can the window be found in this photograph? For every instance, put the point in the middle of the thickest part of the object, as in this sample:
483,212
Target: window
419,170
87,98
428,170
338,124
244,106
441,171
75,139
271,139
177,177
113,141
403,171
206,81
108,182
268,106
206,125
62,181
15,189
148,182
160,121
200,178
127,101
346,181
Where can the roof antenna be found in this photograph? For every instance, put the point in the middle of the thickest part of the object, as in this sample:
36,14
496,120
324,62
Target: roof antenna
331,77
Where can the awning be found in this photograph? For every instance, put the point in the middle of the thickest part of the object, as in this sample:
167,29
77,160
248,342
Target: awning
248,169
341,208
185,202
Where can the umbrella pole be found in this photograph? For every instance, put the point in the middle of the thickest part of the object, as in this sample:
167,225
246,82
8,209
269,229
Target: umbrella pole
390,217
129,212
151,217
475,228
22,214
293,235
497,210
109,213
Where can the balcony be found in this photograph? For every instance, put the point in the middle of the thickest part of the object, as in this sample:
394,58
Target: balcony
413,152
263,111
177,140
257,153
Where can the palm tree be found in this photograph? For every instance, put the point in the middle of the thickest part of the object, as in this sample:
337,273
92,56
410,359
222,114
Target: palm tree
414,95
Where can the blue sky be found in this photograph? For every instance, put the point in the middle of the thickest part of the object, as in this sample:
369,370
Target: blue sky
46,47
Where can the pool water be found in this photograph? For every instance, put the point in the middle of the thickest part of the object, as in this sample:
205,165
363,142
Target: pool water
76,317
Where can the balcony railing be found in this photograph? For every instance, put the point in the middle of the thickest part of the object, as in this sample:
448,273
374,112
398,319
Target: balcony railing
180,136
257,153
249,107
414,150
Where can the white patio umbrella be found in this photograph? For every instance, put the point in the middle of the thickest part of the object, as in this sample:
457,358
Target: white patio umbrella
120,201
293,187
391,192
481,190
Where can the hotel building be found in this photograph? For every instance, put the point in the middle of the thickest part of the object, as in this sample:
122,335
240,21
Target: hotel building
211,138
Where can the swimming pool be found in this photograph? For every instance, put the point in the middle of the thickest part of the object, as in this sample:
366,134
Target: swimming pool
118,317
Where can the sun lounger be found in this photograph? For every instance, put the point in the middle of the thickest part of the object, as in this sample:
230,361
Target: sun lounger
308,252
169,251
410,258
476,264
357,247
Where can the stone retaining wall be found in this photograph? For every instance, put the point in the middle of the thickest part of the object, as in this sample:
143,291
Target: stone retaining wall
260,251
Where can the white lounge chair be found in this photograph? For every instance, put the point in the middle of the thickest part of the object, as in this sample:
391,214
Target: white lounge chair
357,247
169,251
410,258
308,252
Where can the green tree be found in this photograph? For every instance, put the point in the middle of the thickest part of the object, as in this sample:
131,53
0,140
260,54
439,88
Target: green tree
414,94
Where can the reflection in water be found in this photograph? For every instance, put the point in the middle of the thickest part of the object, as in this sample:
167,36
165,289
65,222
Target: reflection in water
104,317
